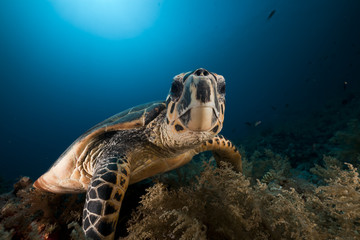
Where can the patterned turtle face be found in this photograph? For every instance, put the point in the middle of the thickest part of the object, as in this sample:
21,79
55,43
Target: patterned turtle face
196,102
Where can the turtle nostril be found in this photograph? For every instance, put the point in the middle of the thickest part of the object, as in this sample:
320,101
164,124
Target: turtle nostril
201,72
198,72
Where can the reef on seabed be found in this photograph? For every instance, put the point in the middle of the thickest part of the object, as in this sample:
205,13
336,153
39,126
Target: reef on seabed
299,182
217,204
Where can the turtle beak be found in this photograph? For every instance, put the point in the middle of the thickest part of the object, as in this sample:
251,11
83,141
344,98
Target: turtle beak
198,107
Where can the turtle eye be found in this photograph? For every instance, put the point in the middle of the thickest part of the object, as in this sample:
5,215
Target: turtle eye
221,88
176,89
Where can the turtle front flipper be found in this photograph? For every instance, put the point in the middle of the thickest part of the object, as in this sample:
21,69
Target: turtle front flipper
104,197
223,150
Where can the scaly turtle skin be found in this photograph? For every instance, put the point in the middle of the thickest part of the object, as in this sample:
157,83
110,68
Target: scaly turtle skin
139,143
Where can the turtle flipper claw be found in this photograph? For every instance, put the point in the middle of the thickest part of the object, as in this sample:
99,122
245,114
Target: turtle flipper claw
223,150
104,197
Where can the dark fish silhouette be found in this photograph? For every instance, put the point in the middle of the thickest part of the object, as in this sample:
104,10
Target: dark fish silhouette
248,123
271,14
253,124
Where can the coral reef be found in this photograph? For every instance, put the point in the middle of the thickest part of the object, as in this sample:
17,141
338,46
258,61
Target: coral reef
217,203
223,204
347,143
305,138
336,206
27,213
268,166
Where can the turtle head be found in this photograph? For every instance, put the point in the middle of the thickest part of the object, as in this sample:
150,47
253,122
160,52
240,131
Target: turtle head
196,103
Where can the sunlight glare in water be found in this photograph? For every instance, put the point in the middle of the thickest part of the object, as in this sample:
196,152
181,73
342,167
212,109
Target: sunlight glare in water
114,19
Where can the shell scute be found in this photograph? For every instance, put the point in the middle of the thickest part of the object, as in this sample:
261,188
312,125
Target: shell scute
71,161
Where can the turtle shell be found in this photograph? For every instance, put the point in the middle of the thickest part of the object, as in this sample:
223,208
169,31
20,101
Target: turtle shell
65,176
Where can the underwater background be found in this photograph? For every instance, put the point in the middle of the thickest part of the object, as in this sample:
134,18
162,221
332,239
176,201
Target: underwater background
292,70
63,69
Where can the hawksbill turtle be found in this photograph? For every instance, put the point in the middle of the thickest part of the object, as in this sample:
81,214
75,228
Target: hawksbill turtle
140,142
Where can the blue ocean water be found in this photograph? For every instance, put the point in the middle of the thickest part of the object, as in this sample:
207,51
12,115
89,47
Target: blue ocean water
66,66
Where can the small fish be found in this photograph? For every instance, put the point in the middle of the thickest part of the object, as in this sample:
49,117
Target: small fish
273,108
345,85
271,14
248,123
257,123
286,105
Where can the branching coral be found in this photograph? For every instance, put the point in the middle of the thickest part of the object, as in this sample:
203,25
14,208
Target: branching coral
32,214
218,204
5,235
336,205
221,205
77,232
330,170
268,166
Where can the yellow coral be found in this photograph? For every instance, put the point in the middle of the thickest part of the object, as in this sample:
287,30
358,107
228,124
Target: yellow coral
221,205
